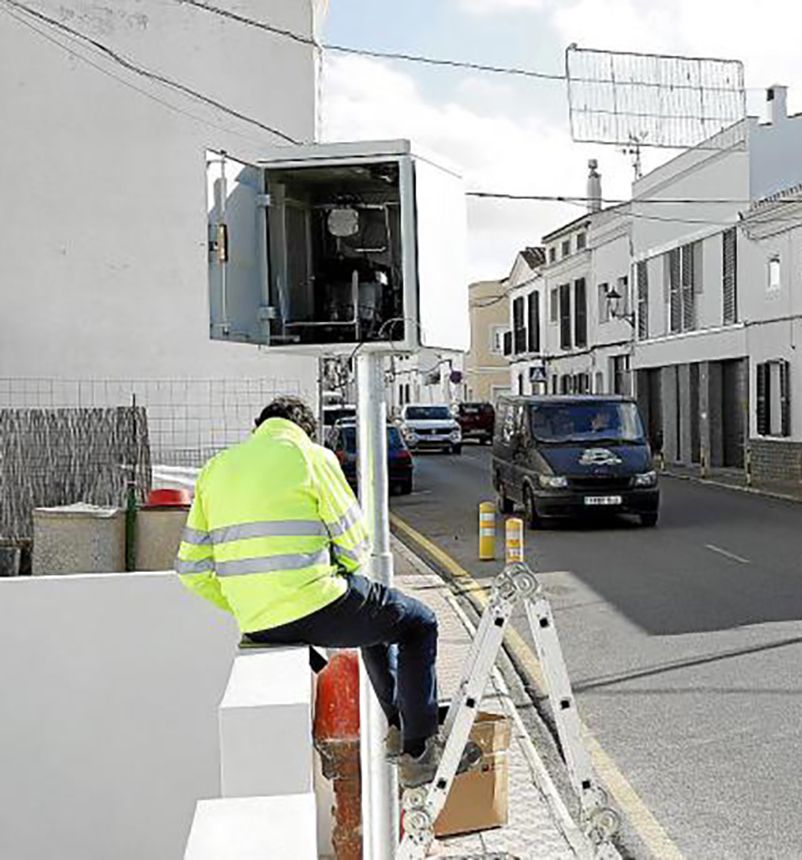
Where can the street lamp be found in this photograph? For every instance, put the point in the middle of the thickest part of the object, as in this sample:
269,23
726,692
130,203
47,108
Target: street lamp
614,299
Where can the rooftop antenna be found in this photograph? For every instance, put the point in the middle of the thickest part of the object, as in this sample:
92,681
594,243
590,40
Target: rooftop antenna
633,150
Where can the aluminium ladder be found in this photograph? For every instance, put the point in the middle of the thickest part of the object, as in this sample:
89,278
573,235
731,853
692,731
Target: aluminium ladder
516,584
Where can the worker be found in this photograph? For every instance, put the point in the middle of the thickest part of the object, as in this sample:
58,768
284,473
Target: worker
275,536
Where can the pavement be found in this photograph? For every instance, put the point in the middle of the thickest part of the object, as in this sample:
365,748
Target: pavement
735,479
540,826
683,644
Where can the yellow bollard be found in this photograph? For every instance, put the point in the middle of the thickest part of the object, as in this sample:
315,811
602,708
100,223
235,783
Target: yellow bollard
515,540
487,531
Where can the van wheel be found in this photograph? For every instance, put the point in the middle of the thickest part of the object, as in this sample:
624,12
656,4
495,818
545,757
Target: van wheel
530,511
649,520
503,504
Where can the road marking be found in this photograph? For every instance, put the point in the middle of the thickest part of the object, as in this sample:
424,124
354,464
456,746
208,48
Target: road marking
727,554
638,814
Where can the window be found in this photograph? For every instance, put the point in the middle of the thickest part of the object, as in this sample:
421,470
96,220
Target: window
729,275
566,248
580,313
604,305
581,383
565,316
497,339
566,384
533,321
773,398
684,282
552,254
599,389
555,384
581,239
774,273
520,383
620,374
642,278
623,291
554,304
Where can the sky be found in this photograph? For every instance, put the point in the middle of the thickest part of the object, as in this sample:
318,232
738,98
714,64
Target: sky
509,134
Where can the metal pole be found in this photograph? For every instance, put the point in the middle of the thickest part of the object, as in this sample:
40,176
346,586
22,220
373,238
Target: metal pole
379,786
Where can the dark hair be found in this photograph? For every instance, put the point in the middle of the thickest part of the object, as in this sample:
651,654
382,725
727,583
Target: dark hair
291,409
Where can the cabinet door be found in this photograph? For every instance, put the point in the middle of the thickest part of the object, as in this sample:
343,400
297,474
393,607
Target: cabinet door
238,250
441,240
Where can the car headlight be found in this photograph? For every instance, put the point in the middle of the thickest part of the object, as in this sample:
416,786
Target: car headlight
646,479
455,436
553,482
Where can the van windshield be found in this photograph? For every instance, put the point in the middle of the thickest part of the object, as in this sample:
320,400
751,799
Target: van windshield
587,422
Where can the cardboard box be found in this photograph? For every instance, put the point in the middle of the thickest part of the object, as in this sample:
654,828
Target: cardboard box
479,799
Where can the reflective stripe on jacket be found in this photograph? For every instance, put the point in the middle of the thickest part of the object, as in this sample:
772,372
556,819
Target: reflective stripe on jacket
272,528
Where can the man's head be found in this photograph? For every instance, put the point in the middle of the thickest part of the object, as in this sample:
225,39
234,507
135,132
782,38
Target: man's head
291,409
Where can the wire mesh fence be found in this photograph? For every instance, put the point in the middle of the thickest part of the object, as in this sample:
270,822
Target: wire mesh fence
83,440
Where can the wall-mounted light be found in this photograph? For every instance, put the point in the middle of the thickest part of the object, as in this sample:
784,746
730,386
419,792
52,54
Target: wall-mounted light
614,300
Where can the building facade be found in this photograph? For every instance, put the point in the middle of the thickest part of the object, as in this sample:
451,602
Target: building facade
688,296
486,369
103,268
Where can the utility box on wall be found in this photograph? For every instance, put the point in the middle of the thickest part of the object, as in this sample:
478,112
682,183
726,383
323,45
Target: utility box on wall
323,247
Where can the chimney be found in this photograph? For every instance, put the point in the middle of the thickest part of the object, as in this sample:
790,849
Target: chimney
594,187
777,102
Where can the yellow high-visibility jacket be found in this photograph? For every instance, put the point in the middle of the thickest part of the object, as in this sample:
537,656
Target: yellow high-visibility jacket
272,529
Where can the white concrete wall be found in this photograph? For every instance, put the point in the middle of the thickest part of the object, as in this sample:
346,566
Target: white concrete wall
109,732
103,253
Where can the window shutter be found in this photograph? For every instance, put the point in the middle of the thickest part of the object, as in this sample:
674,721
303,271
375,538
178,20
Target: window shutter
763,415
785,398
580,313
688,288
533,312
675,295
642,279
565,316
729,275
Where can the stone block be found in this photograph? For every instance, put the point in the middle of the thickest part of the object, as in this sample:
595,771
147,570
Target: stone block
254,828
265,721
78,538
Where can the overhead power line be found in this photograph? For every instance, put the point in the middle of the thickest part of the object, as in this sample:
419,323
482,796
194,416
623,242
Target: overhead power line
515,71
146,73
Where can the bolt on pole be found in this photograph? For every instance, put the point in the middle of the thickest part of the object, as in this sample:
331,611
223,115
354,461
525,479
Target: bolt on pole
379,784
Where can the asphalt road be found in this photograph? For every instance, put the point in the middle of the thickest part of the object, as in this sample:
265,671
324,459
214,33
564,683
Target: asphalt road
684,646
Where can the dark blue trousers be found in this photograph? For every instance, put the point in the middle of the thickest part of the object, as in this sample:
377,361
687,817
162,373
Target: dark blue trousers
398,639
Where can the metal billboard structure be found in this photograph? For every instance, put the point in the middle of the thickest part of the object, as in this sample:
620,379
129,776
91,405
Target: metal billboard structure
633,100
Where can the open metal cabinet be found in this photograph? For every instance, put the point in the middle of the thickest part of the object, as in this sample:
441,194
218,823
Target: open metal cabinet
323,247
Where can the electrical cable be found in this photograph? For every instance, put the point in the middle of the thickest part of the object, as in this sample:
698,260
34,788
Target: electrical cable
515,71
146,73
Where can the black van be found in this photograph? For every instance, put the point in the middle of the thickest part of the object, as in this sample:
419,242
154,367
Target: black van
573,455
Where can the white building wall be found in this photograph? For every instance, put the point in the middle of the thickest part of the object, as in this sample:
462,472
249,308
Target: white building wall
109,732
103,261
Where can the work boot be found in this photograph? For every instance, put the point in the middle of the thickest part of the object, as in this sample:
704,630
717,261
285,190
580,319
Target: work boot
393,744
413,772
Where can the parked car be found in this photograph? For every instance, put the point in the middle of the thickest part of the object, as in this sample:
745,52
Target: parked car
343,441
427,427
476,420
569,456
335,413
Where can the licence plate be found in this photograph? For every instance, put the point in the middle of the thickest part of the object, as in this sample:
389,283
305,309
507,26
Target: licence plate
603,500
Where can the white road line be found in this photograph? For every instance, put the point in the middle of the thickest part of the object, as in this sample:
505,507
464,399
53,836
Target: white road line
726,554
